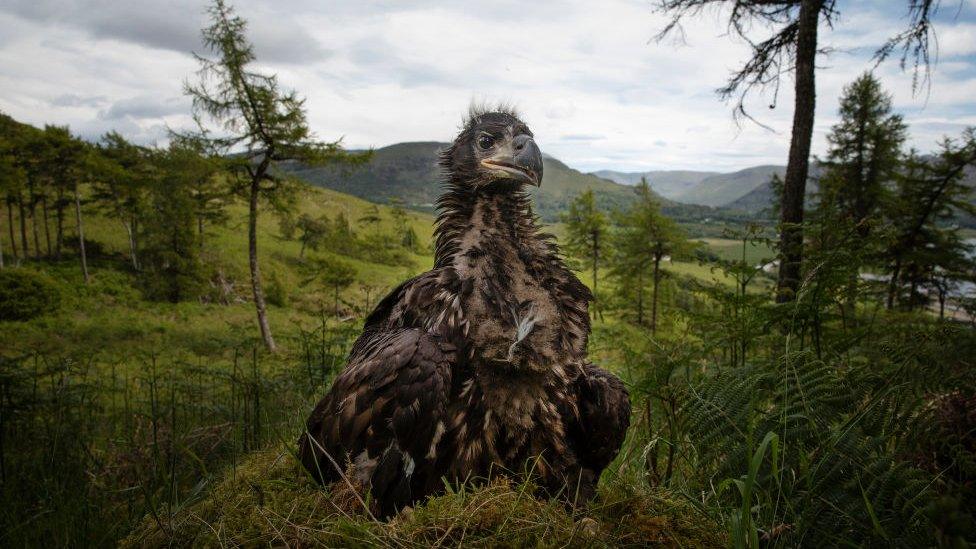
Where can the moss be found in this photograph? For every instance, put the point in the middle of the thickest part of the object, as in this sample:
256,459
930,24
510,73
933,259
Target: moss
269,500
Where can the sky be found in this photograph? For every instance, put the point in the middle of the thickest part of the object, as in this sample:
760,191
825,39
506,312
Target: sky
588,77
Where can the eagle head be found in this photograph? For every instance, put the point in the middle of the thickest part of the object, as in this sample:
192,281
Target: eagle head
494,148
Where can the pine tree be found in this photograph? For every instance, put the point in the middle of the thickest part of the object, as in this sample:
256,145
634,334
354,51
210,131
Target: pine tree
256,117
408,237
203,167
339,275
12,181
313,231
171,267
864,153
862,161
33,149
92,168
644,238
64,153
586,228
122,185
792,48
929,192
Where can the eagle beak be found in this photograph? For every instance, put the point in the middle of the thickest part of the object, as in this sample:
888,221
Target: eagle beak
521,161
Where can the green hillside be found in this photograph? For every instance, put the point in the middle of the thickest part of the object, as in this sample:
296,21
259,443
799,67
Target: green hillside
110,316
721,189
169,424
667,183
409,172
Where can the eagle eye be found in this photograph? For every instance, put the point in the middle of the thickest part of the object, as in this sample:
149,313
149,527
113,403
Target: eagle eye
486,141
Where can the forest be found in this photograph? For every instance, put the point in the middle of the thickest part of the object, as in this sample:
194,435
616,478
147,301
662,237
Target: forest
169,315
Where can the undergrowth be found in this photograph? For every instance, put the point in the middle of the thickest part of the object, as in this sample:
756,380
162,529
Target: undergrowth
269,499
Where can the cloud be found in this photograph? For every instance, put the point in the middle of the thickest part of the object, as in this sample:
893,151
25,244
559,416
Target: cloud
957,40
171,25
597,92
145,107
581,137
74,100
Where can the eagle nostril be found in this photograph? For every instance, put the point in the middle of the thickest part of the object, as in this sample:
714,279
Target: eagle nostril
521,141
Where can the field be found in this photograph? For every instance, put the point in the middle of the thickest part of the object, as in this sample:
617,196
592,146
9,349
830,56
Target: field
153,403
172,419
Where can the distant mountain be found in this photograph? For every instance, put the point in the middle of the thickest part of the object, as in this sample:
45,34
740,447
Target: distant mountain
760,198
409,171
756,201
667,183
724,189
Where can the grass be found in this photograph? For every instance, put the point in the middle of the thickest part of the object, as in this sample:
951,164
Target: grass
270,500
110,317
160,402
731,250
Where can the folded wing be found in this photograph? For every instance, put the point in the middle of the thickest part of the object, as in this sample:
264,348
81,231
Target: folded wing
383,417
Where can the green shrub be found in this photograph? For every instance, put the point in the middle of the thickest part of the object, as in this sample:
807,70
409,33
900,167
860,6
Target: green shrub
26,294
93,248
275,292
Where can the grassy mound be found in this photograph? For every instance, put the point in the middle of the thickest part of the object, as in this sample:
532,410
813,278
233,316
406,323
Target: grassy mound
269,500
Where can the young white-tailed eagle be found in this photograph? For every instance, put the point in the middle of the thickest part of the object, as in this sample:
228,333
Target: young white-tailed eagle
479,365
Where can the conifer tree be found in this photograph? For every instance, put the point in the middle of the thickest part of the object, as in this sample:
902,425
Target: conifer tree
258,119
793,48
862,161
408,237
11,183
93,167
313,232
122,185
339,275
586,228
64,152
202,167
644,238
929,193
864,153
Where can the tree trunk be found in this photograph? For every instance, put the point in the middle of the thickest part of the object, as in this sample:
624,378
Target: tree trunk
47,229
596,258
1,253
893,284
134,236
640,296
252,249
657,275
59,217
337,301
37,239
942,299
849,319
130,231
795,181
81,236
10,229
23,226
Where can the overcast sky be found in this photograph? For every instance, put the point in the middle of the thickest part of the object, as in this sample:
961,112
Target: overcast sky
595,88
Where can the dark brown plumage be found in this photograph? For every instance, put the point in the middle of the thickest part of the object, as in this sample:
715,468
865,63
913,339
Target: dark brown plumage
479,365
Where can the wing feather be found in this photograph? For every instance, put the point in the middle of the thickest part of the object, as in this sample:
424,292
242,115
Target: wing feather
604,415
387,403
